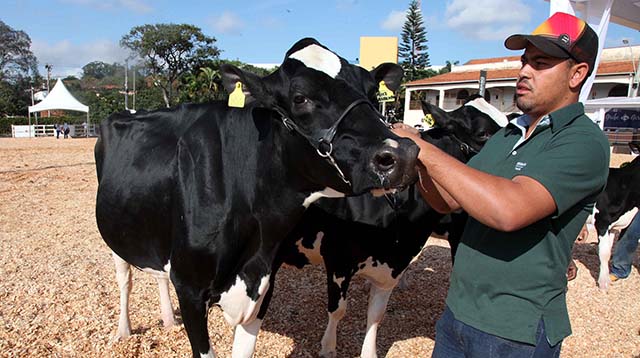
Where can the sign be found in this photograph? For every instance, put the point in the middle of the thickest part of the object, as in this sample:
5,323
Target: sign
622,118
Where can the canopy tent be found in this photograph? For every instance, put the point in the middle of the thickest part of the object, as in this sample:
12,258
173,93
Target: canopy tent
59,98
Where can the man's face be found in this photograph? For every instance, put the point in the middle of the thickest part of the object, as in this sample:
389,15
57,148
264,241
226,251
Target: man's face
543,83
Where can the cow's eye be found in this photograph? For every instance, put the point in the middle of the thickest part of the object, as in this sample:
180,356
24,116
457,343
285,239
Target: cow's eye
299,99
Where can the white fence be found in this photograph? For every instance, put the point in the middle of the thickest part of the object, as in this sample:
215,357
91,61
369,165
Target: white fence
49,130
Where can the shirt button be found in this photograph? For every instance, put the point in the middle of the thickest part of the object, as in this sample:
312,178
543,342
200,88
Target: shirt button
514,152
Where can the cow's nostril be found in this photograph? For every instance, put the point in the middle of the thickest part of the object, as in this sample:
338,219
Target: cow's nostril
384,161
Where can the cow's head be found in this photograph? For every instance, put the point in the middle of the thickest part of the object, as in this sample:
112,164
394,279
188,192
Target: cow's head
471,125
325,104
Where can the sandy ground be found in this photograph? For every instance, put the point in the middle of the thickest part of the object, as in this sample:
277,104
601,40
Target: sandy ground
58,296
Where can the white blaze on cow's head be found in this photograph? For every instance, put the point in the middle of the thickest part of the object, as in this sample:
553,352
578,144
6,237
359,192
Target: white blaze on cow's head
319,58
484,107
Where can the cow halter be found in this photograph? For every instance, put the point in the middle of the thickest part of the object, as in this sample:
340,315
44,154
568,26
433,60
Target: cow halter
322,140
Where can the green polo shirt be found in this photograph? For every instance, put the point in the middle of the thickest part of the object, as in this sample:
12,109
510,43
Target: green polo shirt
503,283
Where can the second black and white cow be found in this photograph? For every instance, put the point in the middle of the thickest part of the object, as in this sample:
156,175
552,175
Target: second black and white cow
365,236
206,193
615,208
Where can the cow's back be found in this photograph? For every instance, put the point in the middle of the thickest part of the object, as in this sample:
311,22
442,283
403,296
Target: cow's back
135,161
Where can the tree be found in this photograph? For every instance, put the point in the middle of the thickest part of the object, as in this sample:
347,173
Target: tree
169,51
16,58
413,48
98,70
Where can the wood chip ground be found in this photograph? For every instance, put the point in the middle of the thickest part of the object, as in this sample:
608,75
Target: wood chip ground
58,295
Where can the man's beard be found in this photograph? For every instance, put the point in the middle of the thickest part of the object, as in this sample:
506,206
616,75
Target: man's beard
524,105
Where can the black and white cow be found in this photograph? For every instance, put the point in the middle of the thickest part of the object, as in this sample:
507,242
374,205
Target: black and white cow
615,208
365,236
206,193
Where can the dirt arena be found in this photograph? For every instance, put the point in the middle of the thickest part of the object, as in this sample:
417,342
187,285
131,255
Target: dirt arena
58,295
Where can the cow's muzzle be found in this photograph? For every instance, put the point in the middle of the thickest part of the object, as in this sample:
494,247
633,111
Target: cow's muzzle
395,163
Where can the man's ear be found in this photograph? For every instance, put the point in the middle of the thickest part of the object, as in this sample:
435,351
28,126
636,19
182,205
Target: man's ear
579,74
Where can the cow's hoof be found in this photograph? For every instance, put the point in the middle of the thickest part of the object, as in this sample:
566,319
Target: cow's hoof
327,354
572,271
120,336
603,283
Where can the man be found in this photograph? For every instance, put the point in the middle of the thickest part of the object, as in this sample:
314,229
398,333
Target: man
625,251
528,193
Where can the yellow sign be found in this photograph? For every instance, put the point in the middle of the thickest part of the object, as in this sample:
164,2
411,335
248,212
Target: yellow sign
384,93
236,98
428,120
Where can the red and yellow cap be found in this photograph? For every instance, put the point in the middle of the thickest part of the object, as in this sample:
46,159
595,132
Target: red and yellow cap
563,36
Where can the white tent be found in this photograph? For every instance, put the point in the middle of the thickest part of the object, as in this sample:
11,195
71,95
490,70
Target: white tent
59,98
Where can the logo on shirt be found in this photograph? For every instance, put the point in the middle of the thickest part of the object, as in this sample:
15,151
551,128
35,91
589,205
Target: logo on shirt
520,166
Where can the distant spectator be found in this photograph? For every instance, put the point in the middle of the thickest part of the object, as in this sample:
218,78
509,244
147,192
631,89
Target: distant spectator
58,129
65,127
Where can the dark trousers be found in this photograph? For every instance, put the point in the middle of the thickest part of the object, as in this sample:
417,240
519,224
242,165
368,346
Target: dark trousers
455,339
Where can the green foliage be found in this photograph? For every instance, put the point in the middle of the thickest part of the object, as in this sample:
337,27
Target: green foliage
16,59
205,83
169,51
413,47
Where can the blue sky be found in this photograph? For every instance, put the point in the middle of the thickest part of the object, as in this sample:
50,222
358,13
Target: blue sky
71,33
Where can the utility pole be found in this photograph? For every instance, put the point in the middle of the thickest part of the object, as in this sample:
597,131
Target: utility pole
126,85
48,67
134,87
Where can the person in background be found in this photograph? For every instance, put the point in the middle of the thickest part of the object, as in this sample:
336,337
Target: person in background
65,129
625,251
528,193
58,130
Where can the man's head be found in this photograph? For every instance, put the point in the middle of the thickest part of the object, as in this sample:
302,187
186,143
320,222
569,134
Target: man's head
559,56
562,36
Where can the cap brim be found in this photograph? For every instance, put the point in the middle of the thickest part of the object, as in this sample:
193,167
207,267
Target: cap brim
519,42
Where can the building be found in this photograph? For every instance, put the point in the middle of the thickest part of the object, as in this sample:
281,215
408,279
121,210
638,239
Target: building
377,50
614,77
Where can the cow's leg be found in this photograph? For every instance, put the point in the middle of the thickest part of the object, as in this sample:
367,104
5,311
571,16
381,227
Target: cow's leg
604,253
166,309
378,299
244,339
123,277
245,336
337,303
194,316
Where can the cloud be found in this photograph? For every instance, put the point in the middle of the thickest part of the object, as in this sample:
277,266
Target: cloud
394,21
138,6
68,58
227,23
487,19
345,5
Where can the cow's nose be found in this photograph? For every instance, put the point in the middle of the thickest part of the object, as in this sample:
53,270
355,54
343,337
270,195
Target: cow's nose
385,160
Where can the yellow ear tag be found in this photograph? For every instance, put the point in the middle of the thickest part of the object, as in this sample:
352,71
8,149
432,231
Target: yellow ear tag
428,120
236,98
384,93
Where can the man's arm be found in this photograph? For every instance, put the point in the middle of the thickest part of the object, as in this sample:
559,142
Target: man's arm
500,203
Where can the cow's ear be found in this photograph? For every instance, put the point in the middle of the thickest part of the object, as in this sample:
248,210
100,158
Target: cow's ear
252,85
390,73
440,117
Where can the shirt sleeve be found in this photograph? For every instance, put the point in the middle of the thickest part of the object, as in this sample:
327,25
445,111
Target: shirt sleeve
573,167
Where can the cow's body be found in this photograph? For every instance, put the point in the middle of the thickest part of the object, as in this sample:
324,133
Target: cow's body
365,236
615,209
206,193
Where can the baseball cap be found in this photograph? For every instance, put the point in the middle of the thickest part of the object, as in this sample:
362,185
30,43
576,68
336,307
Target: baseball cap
562,36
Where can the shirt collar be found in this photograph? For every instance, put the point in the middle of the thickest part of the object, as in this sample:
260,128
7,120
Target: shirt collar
556,119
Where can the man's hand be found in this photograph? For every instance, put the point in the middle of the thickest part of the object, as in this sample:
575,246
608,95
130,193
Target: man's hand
406,131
